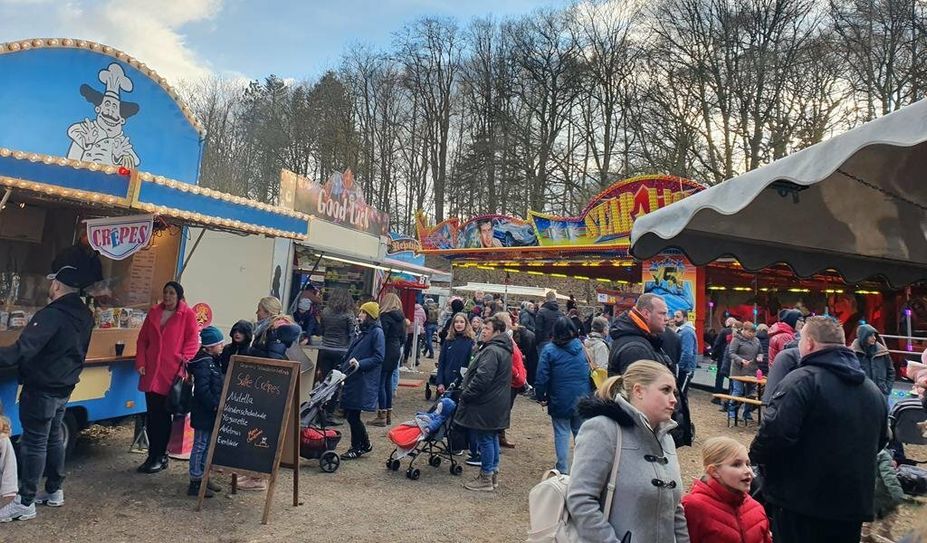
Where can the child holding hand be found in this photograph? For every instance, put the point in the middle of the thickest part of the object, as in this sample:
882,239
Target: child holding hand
719,508
207,391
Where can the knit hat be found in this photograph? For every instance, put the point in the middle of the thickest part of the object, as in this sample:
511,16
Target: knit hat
372,309
210,336
791,317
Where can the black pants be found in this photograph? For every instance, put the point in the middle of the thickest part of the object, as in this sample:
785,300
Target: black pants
719,379
791,527
158,424
359,439
42,446
327,361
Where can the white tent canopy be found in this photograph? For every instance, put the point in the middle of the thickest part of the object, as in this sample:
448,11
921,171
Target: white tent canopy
856,203
513,290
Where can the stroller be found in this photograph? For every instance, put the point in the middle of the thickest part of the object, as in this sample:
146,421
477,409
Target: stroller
316,441
906,419
436,445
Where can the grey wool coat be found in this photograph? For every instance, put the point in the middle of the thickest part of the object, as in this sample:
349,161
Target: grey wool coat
744,350
649,489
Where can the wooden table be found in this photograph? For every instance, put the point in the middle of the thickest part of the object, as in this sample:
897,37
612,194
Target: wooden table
760,383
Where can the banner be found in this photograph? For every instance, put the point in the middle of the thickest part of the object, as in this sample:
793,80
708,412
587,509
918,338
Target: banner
674,278
118,238
488,231
339,201
405,248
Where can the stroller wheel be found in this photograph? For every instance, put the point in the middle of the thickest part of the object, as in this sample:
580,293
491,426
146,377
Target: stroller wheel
413,473
456,469
427,392
329,461
434,461
393,464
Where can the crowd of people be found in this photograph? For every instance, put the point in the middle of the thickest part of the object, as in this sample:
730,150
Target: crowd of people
821,447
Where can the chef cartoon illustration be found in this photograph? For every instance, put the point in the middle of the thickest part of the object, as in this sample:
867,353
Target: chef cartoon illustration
101,139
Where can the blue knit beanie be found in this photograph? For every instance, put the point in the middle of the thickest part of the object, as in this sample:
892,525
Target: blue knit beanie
210,336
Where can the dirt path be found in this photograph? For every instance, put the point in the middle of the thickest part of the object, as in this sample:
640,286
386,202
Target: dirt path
108,501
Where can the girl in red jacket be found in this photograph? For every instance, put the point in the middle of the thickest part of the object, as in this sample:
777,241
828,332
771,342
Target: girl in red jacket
719,508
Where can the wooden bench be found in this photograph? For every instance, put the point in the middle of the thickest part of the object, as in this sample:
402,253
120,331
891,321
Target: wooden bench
744,400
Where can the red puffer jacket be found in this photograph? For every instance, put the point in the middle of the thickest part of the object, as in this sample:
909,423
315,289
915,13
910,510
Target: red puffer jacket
716,514
780,335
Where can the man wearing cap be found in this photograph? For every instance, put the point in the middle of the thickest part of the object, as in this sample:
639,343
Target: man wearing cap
50,355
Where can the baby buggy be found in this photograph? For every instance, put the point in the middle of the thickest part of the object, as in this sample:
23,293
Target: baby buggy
428,435
316,441
907,422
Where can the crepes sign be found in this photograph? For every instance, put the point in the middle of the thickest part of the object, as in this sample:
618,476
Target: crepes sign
118,238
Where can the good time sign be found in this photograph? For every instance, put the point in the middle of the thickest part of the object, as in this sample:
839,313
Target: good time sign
118,238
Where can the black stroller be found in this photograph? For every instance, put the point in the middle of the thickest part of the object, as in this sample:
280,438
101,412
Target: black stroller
316,441
906,419
437,446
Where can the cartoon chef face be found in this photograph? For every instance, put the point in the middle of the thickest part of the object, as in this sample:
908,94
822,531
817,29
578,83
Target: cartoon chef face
109,116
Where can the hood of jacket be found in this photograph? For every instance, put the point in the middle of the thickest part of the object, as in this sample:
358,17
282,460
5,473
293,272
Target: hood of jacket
395,316
780,328
744,339
860,345
620,411
500,340
245,328
573,346
72,306
840,361
625,326
551,305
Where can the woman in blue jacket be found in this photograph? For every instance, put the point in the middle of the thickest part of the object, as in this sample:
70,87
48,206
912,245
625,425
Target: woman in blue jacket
456,351
274,332
365,355
562,380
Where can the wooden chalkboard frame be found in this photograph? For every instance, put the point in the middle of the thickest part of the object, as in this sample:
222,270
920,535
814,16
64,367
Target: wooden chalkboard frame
291,410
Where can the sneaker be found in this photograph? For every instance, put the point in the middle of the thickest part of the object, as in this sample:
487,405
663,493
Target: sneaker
457,453
474,460
716,401
354,454
482,483
251,484
15,510
748,418
55,499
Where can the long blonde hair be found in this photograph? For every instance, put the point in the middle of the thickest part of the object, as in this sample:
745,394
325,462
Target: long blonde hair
467,331
390,302
642,372
718,450
274,309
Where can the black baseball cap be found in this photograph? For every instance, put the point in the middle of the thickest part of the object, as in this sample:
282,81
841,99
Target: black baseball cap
67,275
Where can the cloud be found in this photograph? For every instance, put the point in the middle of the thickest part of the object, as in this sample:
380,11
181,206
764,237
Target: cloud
149,31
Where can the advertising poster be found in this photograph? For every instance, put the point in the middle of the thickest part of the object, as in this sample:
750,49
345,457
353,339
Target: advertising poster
488,231
673,277
340,201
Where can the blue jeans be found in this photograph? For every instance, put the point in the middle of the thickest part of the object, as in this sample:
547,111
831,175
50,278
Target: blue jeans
41,447
201,439
563,427
488,443
429,334
741,389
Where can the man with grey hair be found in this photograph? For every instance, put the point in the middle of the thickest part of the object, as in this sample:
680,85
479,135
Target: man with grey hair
50,355
818,442
637,334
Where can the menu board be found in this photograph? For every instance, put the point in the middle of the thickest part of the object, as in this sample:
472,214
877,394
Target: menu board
141,274
257,399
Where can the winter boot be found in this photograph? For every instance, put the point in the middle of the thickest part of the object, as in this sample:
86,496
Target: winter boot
505,443
194,489
389,417
495,480
380,420
482,483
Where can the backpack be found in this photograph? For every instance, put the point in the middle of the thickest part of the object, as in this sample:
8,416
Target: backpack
549,518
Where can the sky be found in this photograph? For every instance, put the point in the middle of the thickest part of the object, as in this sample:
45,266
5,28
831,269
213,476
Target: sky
189,39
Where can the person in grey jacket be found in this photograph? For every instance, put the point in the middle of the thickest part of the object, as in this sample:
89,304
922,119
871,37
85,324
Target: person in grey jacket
745,349
874,358
639,404
485,399
337,328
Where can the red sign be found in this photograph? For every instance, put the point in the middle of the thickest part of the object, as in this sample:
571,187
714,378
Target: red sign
203,315
120,237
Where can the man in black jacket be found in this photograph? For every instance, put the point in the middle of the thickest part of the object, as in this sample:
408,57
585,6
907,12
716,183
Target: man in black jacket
544,321
818,442
637,334
50,355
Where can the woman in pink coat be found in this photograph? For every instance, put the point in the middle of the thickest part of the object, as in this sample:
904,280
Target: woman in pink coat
168,339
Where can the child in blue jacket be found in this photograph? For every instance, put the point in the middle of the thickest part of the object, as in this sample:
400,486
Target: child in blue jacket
207,391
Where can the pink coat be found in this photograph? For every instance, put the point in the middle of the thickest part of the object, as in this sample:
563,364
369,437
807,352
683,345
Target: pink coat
162,350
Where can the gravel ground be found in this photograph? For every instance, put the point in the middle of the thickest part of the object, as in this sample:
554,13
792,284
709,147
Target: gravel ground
108,501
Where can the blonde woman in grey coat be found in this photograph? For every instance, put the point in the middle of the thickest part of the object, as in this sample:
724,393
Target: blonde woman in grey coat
646,504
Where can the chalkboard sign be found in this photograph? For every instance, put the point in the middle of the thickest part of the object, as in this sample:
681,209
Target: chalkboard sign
251,419
257,398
